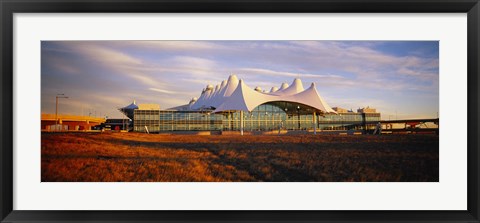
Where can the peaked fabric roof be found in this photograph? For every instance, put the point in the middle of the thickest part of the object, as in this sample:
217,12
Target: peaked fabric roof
208,98
234,94
295,88
133,105
128,110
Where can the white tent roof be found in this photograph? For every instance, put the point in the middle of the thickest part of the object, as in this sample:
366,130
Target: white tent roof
283,86
246,99
234,94
295,88
214,99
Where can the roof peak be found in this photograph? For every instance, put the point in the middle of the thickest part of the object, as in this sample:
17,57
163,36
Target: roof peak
296,81
283,86
232,77
273,89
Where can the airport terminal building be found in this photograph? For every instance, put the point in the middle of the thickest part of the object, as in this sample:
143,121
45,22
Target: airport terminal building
233,106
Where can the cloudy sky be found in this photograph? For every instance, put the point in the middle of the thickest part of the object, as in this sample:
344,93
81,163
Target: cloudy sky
398,78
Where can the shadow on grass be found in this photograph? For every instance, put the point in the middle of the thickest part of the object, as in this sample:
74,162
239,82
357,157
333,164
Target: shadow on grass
274,159
332,161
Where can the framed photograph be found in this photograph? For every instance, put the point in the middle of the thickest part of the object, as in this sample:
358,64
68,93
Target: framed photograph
199,111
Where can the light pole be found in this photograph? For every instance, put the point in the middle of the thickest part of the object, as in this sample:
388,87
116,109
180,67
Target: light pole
286,115
241,122
266,121
56,108
298,112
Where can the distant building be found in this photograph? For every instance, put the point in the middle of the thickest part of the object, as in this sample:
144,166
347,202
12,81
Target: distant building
233,106
149,107
340,110
367,110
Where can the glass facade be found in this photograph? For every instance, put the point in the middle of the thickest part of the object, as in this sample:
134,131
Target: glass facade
266,117
347,121
146,119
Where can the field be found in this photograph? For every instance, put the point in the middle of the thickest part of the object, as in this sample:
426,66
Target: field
105,157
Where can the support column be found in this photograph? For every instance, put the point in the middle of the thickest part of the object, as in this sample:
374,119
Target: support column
241,123
314,123
56,113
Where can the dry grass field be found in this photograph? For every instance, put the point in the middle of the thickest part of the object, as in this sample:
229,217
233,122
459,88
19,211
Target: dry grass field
105,157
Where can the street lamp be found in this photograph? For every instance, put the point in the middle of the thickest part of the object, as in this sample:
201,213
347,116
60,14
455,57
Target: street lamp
298,112
266,120
56,108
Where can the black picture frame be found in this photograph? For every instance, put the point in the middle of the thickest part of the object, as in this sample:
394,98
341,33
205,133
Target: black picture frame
9,7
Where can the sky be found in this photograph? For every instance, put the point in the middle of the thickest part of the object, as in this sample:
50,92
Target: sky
398,78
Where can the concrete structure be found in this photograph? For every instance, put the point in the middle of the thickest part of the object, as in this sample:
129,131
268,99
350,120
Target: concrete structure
69,122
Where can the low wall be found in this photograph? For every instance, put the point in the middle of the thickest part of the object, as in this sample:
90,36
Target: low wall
274,132
204,133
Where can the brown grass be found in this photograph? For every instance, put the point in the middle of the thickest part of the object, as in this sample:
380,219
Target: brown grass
94,157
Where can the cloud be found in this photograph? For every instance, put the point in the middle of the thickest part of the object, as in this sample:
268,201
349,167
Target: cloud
170,45
196,62
418,74
361,59
144,79
161,91
64,67
285,74
105,55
